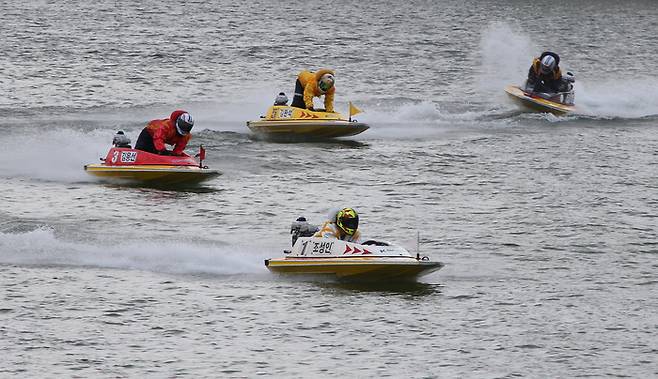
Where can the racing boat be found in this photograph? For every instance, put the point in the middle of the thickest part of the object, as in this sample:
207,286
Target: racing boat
124,164
558,103
540,102
286,122
370,260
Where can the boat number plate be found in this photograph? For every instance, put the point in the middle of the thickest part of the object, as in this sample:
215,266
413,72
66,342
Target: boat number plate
128,156
285,113
322,247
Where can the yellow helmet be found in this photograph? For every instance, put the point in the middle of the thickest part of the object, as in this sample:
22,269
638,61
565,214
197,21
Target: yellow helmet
347,220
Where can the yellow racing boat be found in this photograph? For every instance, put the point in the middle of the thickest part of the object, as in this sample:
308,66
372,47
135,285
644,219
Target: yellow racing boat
286,122
558,104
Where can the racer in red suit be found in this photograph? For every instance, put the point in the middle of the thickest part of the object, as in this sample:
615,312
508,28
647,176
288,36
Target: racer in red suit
174,131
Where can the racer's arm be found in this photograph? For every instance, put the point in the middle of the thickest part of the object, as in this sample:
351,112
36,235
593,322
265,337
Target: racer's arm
532,77
180,145
158,139
329,100
326,232
308,96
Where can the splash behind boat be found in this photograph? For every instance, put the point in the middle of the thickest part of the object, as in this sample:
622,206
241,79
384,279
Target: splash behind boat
558,104
282,121
123,164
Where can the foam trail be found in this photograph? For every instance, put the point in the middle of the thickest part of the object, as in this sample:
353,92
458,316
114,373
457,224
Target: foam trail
403,113
55,154
635,98
402,121
230,113
506,54
41,247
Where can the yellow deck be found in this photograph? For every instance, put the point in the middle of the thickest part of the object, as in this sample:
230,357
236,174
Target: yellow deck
537,104
297,122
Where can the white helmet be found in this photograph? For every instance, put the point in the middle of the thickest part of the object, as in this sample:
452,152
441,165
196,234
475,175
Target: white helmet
184,124
326,82
548,64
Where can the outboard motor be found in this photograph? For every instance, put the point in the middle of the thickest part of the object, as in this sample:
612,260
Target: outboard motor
121,140
301,228
281,99
569,77
569,97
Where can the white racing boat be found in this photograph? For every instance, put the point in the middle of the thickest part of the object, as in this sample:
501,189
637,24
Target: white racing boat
370,260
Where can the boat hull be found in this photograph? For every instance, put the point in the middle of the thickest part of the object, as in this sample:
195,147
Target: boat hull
308,129
126,165
289,122
537,104
355,268
153,174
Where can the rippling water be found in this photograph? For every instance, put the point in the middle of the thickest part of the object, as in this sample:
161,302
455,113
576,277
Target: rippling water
547,225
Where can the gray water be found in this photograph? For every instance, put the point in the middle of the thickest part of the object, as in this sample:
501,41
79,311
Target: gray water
547,225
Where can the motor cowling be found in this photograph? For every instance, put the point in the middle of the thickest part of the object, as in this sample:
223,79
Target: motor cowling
301,228
121,140
281,99
569,77
569,97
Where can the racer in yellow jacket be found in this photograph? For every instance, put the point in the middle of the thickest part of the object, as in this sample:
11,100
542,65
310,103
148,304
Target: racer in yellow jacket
343,227
314,84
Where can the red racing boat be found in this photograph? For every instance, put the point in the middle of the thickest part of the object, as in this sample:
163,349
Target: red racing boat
124,164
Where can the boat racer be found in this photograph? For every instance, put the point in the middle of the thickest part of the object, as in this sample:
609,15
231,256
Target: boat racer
344,226
174,131
544,75
314,84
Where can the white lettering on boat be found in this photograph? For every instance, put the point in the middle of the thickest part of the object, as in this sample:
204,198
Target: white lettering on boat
285,113
128,156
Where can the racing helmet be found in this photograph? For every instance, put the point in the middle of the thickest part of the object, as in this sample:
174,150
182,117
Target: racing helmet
548,64
347,220
326,82
184,124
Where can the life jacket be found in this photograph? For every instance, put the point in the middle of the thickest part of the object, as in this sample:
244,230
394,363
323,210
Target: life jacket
330,230
309,81
536,67
164,132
